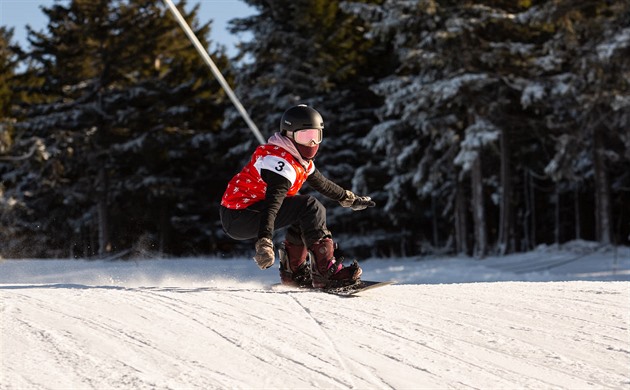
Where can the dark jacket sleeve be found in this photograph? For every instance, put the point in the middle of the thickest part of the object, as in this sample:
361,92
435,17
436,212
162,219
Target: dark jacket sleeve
326,186
277,188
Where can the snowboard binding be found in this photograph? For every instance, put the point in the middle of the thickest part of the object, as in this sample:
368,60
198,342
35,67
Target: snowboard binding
297,276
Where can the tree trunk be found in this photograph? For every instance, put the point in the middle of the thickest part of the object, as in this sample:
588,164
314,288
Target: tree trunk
506,225
88,241
556,197
527,214
461,220
602,192
479,211
434,222
532,202
164,227
104,246
576,210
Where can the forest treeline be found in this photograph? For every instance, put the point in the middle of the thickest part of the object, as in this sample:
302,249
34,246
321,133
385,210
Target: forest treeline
477,126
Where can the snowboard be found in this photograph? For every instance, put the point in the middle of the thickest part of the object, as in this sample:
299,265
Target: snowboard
357,288
345,291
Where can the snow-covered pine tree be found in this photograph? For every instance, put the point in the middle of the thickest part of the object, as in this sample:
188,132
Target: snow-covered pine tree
468,101
8,98
121,115
8,63
438,113
313,52
588,94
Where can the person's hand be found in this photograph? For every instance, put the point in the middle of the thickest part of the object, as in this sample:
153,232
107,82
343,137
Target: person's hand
264,253
356,202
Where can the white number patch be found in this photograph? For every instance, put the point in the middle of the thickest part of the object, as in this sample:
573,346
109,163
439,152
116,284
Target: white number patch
278,165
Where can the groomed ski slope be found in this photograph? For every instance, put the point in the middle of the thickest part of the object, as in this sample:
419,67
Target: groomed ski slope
182,331
486,335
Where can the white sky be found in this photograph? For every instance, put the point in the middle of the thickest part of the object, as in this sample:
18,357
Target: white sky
19,13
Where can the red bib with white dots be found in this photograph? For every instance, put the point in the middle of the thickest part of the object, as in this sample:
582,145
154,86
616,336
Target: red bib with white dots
247,187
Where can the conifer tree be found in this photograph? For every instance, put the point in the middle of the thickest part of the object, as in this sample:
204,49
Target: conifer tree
8,64
483,90
443,110
9,145
121,111
314,52
590,105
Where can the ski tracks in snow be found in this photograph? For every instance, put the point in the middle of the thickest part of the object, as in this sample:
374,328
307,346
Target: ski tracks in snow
485,335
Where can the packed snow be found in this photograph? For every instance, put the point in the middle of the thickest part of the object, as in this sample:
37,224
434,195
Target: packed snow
550,318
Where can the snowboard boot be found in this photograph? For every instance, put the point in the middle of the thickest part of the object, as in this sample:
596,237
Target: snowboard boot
328,272
294,265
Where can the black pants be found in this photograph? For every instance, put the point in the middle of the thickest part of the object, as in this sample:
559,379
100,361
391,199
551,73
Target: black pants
304,215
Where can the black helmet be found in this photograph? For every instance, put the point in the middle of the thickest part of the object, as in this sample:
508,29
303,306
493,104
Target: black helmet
300,117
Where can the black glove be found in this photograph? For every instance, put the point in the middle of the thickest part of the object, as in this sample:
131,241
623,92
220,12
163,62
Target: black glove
356,202
264,253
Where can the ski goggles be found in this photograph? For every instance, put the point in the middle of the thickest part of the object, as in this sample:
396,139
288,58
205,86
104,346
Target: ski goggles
308,136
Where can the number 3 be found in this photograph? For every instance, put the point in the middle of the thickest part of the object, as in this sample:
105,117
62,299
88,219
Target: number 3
280,166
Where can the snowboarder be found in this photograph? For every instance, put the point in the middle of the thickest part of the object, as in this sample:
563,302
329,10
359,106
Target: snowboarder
263,197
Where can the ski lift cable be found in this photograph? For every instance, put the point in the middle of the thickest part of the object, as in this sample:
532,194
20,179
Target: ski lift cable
215,71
